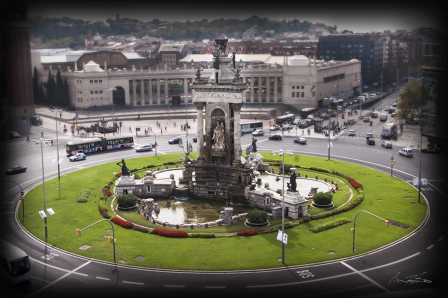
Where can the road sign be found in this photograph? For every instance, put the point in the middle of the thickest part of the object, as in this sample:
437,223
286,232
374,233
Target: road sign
282,237
22,193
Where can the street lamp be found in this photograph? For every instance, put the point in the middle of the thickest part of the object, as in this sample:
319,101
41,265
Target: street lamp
111,239
113,110
386,224
282,153
57,142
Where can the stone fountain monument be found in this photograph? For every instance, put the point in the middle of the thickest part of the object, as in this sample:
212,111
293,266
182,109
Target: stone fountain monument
220,165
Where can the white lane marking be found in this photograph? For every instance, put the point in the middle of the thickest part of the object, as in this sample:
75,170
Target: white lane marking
173,286
102,278
60,278
57,268
431,246
334,276
440,239
365,276
215,287
133,283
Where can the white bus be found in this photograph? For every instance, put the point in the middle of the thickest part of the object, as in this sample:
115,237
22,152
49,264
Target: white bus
99,144
251,127
15,264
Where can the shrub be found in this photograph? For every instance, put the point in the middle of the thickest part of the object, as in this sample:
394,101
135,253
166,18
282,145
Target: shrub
83,195
126,201
355,184
107,192
257,216
170,233
322,198
140,229
103,212
247,233
201,235
122,223
329,225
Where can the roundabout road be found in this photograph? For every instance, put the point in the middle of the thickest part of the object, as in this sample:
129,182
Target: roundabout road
411,266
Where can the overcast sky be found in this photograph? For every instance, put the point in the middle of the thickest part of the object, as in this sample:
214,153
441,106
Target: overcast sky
355,16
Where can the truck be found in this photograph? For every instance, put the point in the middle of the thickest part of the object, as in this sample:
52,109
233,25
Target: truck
366,95
361,98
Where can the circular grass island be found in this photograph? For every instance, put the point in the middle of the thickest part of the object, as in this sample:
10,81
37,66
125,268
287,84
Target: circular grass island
323,236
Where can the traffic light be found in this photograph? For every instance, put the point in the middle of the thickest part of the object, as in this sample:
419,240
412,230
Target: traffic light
352,231
78,232
393,162
111,239
386,223
21,197
157,144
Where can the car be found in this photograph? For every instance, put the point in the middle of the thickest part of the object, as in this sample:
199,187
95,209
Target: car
350,103
274,128
372,95
370,141
15,169
143,148
287,126
275,137
431,150
78,156
258,132
175,141
297,122
369,135
386,144
14,135
300,141
366,119
351,132
303,125
378,93
406,152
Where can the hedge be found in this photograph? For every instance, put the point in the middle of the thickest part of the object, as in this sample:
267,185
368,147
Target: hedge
247,233
329,225
170,233
123,223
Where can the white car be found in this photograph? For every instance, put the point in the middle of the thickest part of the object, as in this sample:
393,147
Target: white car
406,152
274,128
351,132
143,148
78,156
258,132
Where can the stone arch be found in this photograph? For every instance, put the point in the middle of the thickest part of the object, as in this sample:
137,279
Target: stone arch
118,96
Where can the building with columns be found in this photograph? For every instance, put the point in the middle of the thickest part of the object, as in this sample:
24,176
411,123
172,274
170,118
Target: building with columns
297,81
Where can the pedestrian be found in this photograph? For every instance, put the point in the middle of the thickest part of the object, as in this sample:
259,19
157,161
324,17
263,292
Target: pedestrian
165,128
130,129
161,131
302,132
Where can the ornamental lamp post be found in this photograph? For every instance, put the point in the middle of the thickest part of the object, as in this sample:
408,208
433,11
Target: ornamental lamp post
113,110
282,153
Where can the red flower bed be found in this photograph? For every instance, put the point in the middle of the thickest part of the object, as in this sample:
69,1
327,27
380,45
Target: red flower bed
118,174
277,164
355,184
107,192
170,233
122,223
247,233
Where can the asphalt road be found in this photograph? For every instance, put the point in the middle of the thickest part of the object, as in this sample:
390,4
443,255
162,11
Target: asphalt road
387,272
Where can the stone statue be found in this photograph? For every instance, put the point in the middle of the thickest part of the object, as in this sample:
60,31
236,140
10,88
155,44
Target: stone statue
254,145
124,170
293,182
218,136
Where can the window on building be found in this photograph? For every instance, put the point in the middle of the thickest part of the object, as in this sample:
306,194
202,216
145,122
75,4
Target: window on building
293,94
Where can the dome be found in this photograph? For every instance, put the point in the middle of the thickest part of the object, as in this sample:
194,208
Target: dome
92,67
298,60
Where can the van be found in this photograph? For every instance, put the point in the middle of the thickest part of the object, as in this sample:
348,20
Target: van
372,95
374,115
383,117
406,152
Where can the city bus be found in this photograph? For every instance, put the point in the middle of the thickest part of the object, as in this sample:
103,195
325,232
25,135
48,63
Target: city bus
98,144
15,265
388,130
285,119
251,127
307,111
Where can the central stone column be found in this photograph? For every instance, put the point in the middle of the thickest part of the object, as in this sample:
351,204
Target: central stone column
236,133
200,130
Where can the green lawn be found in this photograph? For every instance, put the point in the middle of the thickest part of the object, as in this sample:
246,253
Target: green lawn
385,196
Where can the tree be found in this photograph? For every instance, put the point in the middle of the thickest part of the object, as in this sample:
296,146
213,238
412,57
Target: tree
411,99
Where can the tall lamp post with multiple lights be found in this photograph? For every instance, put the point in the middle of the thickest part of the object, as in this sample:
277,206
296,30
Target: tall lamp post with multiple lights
113,109
57,142
282,153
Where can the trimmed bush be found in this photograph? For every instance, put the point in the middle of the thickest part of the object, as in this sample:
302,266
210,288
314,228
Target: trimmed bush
321,198
170,233
257,216
83,195
247,233
126,201
329,225
201,235
123,223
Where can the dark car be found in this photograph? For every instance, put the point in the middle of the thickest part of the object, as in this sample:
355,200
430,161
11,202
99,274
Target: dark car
16,169
275,137
14,135
370,141
300,140
431,150
175,141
